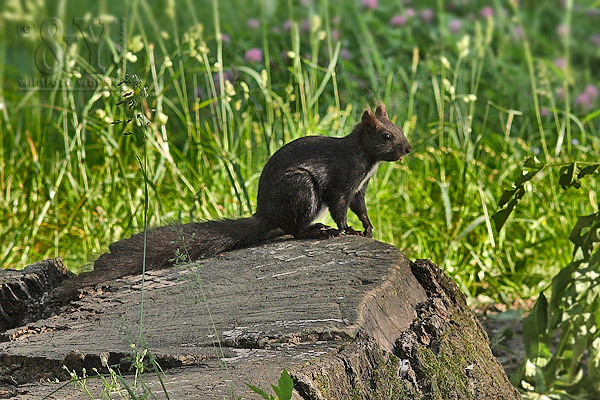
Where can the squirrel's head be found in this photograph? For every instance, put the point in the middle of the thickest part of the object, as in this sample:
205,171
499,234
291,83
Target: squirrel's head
383,140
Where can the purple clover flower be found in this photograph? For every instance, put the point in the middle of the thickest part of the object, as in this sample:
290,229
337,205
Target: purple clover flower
583,101
410,13
254,55
592,12
486,12
305,26
253,23
562,30
518,32
455,25
398,20
591,91
345,54
560,63
427,15
372,4
335,34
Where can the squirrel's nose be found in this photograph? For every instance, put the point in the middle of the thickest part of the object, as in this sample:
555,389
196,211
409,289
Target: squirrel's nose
408,149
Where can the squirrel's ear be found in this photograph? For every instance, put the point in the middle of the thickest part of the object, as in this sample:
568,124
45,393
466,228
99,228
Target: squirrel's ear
381,112
368,119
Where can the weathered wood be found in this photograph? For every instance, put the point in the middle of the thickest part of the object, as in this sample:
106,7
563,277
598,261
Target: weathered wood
349,317
23,293
444,354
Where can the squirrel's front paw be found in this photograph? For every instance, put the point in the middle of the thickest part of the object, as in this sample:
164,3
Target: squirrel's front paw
367,233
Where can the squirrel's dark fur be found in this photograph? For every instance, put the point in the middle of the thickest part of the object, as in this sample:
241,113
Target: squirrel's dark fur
299,182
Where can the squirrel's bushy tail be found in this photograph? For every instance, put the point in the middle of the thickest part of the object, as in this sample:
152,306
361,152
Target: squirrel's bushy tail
175,244
167,246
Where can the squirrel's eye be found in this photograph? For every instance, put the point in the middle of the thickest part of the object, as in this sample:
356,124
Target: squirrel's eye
387,136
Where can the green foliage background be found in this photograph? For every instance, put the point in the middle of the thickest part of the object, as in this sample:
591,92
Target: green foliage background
479,87
466,101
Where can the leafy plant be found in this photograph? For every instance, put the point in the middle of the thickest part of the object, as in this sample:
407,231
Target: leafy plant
283,390
562,334
570,176
137,121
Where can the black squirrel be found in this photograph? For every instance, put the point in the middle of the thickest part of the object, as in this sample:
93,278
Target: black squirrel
299,183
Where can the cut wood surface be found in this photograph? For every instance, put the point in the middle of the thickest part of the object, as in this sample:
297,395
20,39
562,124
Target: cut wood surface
348,317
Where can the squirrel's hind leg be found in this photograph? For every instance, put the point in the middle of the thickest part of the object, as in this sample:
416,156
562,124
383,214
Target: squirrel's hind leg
292,204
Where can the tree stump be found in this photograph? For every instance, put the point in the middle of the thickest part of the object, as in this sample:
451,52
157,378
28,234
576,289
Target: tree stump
23,294
350,318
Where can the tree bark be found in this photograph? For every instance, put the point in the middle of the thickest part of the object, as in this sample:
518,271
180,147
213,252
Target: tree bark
23,294
444,354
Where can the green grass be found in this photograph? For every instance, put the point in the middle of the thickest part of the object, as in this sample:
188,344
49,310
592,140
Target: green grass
70,183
